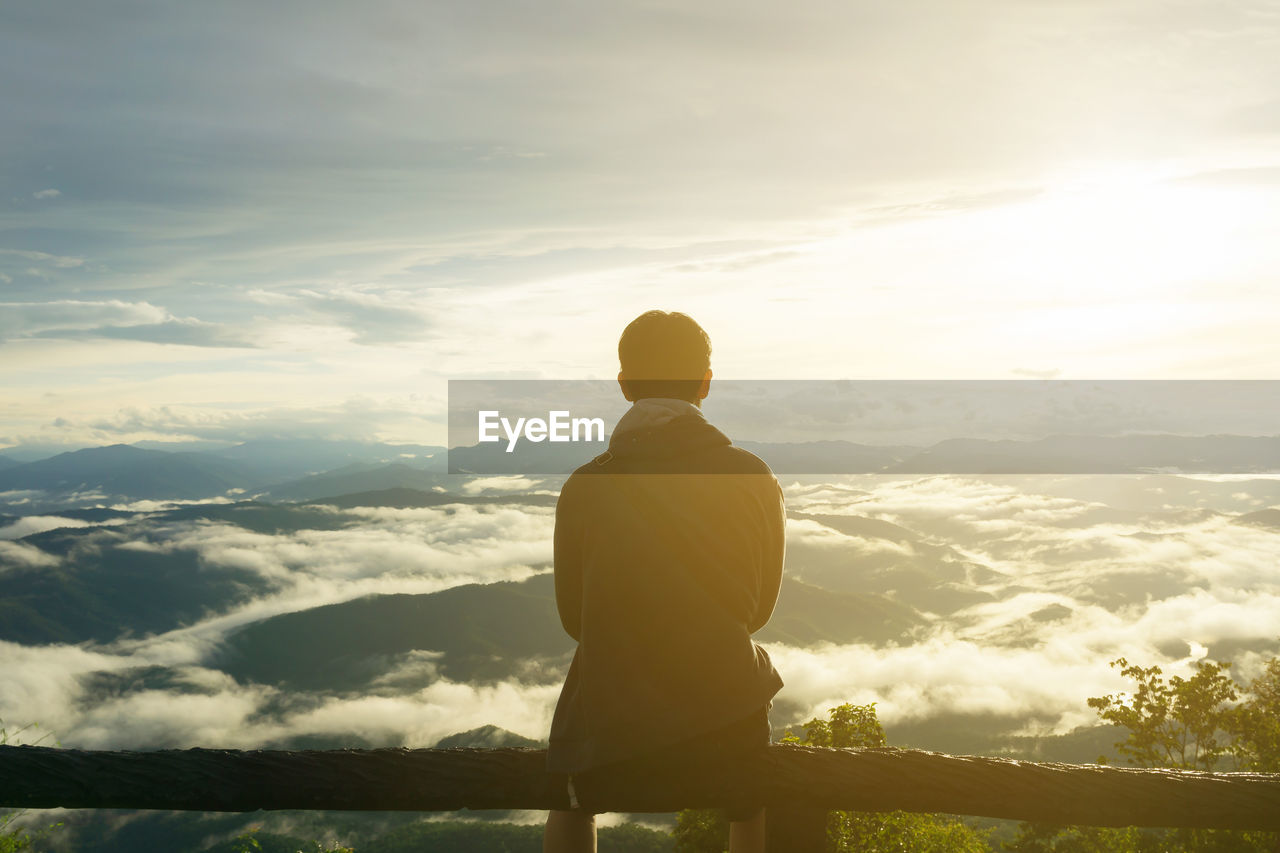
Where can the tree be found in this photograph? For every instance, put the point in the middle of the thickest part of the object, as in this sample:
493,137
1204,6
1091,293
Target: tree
705,831
1256,723
1180,724
1185,724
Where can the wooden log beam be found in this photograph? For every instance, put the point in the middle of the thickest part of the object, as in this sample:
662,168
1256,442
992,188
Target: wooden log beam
783,776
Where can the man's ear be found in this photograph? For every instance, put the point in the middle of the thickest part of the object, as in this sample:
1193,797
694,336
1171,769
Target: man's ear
626,391
705,388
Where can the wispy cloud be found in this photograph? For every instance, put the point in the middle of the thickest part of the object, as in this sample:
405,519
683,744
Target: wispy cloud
67,319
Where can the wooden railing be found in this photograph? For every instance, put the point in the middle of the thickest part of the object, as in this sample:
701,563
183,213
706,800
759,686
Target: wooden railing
798,784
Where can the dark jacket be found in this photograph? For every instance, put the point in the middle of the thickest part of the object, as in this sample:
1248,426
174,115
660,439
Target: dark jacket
668,556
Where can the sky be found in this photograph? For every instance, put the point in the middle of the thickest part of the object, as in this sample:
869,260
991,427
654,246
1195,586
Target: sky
236,220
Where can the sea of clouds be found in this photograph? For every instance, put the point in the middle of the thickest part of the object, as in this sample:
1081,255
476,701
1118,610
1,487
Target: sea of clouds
1082,571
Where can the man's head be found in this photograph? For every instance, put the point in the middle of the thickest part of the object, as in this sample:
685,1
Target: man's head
664,354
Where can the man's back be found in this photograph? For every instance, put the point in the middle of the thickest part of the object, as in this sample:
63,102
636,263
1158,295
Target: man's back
668,555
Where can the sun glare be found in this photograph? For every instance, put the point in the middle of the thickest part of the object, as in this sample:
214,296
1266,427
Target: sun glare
1125,235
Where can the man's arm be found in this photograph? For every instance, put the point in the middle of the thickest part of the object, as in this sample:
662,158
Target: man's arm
773,555
567,556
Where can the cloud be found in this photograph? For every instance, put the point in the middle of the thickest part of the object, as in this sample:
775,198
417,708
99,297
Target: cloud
203,707
372,315
440,709
480,485
57,261
383,551
27,525
22,555
67,319
386,550
1031,655
357,418
46,194
806,533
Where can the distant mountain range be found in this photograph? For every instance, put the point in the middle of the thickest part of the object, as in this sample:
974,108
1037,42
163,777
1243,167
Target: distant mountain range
491,632
1082,454
360,477
122,473
1059,454
104,588
280,470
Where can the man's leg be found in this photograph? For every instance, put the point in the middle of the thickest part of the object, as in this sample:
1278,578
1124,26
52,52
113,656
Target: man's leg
571,832
747,836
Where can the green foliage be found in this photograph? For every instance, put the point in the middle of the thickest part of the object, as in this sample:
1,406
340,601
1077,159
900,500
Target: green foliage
247,842
478,837
701,831
1256,725
1182,723
1041,838
849,726
256,841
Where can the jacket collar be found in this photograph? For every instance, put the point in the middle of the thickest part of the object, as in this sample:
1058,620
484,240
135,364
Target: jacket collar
680,434
654,411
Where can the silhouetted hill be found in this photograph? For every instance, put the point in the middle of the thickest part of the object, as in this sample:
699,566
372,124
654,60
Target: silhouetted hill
360,478
1262,518
828,457
892,562
481,632
988,734
107,582
122,471
405,498
488,737
1084,454
7,463
807,615
100,592
292,458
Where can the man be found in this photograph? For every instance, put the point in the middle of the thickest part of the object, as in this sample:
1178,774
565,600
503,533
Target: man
668,556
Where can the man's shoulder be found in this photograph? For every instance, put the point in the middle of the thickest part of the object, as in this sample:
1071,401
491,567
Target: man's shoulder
736,460
717,459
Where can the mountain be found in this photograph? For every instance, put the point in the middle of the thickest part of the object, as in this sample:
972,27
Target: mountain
828,457
6,463
281,460
487,632
892,562
360,477
404,498
307,470
124,472
809,457
488,737
109,583
1262,518
99,592
527,458
1086,454
482,632
121,471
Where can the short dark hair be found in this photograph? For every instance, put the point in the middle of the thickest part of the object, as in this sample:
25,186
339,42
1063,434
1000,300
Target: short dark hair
664,354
